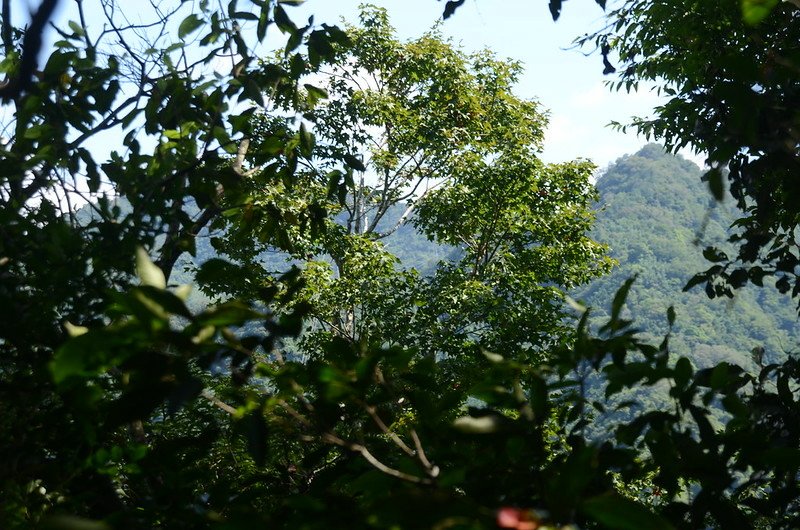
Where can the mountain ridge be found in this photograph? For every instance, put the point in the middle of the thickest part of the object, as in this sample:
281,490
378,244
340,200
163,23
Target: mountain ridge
657,215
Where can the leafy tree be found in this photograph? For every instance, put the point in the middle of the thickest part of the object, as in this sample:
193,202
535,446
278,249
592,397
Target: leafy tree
434,136
115,415
153,85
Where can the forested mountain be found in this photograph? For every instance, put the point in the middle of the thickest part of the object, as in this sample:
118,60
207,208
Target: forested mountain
657,216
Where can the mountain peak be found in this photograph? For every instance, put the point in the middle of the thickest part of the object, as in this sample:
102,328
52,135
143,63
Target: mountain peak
653,151
656,215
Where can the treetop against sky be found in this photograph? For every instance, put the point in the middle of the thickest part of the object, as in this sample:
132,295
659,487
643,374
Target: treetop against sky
567,83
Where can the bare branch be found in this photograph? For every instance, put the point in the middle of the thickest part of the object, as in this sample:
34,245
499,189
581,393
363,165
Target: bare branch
240,154
407,213
218,402
377,464
432,469
82,16
386,430
400,222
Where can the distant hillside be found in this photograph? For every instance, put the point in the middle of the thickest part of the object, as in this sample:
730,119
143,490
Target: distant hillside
656,215
653,211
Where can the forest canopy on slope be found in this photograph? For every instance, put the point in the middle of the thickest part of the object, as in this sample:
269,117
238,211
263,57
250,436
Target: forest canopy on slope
657,217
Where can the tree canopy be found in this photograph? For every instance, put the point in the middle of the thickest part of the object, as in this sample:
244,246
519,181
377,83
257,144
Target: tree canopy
434,138
124,371
345,391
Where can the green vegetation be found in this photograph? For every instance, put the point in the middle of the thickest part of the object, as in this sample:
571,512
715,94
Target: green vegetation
349,391
657,220
436,137
738,109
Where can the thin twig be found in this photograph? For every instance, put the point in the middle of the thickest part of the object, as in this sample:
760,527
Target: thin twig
218,402
377,464
432,470
385,429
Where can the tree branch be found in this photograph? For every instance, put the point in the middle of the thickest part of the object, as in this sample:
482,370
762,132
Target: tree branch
218,402
433,470
31,45
8,41
386,430
377,464
400,221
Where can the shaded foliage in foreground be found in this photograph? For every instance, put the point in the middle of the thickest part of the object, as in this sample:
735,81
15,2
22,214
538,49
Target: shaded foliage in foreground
112,416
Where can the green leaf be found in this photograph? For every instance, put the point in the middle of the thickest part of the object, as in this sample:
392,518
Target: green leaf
574,304
354,162
620,513
450,8
253,92
695,280
75,331
263,22
307,141
229,314
671,315
170,302
69,522
189,25
147,271
714,255
620,297
37,131
245,15
555,8
76,28
86,355
314,94
715,183
482,425
283,21
683,371
493,357
754,11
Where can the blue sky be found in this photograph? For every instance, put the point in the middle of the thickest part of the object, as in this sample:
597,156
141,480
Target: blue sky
564,81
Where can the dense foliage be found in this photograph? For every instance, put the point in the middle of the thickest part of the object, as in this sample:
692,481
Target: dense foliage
123,408
123,375
152,87
657,220
435,136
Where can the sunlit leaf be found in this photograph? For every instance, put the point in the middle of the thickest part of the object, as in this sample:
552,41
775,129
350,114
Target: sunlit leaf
148,272
75,331
481,425
754,11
